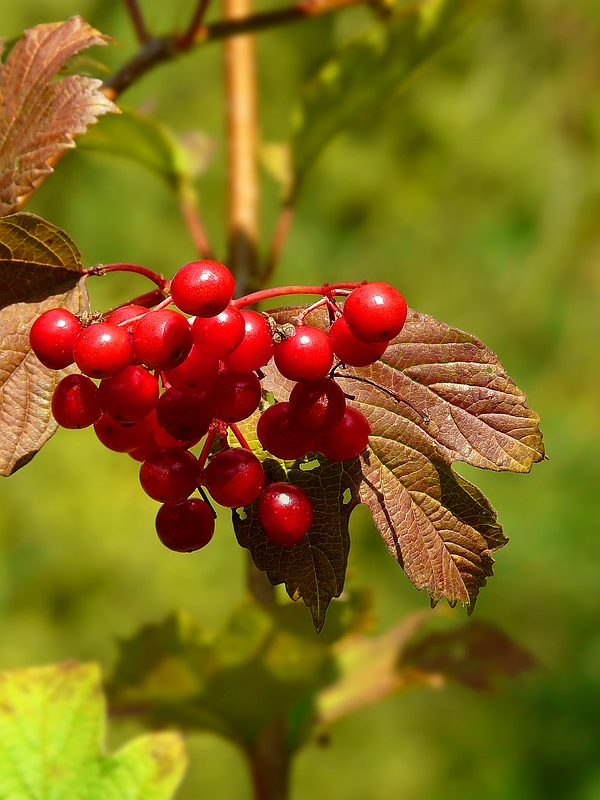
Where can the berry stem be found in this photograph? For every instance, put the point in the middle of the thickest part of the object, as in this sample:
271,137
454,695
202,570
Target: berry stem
327,289
210,438
102,269
239,436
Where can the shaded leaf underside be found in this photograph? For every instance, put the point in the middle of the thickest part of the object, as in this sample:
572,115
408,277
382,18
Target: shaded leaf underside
40,116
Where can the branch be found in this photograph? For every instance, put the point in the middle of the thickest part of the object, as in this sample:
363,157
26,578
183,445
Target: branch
137,21
165,48
195,25
189,211
282,227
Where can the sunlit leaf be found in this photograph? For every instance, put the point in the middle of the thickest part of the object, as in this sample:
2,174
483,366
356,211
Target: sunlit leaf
352,86
40,116
40,268
52,742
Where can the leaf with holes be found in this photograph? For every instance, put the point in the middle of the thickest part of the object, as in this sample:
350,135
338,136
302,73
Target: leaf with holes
438,395
40,116
40,268
314,569
52,741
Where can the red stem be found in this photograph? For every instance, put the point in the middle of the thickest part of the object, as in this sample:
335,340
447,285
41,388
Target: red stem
206,448
162,282
326,290
239,435
137,21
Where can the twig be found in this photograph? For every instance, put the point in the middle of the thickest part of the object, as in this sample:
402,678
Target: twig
195,25
279,237
137,20
191,216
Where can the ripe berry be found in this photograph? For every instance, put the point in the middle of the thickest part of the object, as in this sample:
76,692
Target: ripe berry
122,438
202,288
219,336
347,439
317,406
375,312
234,477
194,375
74,402
279,433
52,337
306,356
285,512
234,395
169,475
158,438
256,347
162,339
102,350
351,350
130,395
121,316
183,416
185,527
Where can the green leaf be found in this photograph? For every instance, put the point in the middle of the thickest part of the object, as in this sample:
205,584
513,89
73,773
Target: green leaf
314,569
41,116
40,268
266,663
365,73
51,742
438,395
146,141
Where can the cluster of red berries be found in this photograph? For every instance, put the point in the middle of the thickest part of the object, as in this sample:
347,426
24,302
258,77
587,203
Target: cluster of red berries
166,381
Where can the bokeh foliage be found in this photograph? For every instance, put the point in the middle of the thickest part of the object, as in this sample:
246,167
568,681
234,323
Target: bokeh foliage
477,192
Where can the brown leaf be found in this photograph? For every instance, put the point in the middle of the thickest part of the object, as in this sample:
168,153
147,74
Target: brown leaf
40,268
40,116
314,569
475,654
438,395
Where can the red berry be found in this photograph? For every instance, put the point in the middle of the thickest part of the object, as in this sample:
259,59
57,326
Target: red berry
351,350
219,336
256,347
194,375
169,475
52,337
121,316
347,439
183,416
234,396
234,477
122,438
130,395
375,312
317,406
285,512
279,433
158,438
74,402
185,527
162,339
102,350
306,356
202,288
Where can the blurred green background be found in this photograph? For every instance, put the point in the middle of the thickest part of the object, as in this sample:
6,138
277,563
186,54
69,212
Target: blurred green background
477,193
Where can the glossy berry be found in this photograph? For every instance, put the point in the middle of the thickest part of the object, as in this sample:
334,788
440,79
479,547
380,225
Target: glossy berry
162,339
279,433
194,375
52,337
317,406
202,288
158,439
102,350
74,402
257,346
219,336
122,316
347,439
130,395
185,527
375,312
122,438
306,356
169,475
285,512
234,396
183,416
234,477
351,350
